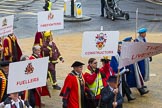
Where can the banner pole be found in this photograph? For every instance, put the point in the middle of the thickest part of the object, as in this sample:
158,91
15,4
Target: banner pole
101,28
136,23
117,85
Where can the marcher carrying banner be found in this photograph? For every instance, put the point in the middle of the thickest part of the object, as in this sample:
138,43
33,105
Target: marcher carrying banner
135,51
28,75
100,43
6,25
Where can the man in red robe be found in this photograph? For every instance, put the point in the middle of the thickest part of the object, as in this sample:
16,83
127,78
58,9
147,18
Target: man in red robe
12,51
72,92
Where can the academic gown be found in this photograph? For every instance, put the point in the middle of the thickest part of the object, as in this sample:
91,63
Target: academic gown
72,92
134,77
114,64
143,64
123,87
131,77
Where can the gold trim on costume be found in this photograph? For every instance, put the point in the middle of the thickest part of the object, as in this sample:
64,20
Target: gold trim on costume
50,77
4,82
79,96
40,42
79,92
9,48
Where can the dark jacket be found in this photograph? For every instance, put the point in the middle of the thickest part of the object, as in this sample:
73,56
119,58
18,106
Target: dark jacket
107,98
45,7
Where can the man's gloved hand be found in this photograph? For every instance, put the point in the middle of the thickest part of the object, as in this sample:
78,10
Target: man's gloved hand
97,70
26,103
128,71
116,91
150,58
7,101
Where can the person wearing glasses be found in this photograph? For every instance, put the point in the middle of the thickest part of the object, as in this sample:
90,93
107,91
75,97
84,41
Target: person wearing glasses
93,80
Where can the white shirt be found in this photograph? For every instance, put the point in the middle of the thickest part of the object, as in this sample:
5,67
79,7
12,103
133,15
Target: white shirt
16,103
1,105
111,88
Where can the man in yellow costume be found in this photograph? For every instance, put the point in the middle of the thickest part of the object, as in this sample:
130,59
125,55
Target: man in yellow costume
49,49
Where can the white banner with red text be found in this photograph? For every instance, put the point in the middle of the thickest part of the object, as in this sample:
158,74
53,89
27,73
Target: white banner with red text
50,20
28,74
6,25
100,43
132,52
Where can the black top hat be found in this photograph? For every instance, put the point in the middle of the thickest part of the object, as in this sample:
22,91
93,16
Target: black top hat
4,63
112,79
77,63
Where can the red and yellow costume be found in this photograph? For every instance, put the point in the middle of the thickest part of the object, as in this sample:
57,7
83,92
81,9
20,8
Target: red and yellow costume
73,91
12,51
49,48
3,86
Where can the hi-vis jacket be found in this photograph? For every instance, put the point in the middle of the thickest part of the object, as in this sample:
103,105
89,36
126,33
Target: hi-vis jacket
93,81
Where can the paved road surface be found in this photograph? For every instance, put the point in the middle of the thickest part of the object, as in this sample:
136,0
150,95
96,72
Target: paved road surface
150,16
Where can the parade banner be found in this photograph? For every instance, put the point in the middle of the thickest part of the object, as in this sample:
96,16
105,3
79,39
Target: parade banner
135,51
28,74
6,25
50,20
100,43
